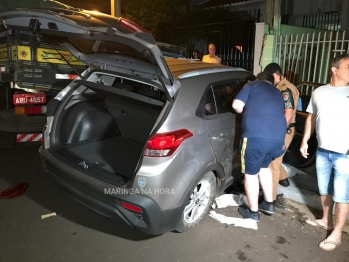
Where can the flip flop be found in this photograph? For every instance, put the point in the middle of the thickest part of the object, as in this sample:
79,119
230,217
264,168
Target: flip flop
315,223
329,245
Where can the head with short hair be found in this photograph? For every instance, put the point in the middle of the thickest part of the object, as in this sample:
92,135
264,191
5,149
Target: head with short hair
266,76
275,70
335,62
211,49
339,68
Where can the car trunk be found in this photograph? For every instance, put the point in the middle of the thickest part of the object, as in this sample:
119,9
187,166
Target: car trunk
103,129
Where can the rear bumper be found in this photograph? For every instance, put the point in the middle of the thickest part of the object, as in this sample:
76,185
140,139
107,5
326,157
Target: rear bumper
101,197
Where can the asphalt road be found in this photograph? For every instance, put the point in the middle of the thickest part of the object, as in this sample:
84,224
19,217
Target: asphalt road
78,234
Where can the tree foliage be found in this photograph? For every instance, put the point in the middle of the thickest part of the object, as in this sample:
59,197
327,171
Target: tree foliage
154,14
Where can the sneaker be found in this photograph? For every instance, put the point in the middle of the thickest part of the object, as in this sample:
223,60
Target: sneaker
284,182
245,212
266,208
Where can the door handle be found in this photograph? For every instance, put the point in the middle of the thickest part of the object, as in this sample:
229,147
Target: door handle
219,137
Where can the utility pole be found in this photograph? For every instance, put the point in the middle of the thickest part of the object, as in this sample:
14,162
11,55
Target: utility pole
345,18
273,16
115,8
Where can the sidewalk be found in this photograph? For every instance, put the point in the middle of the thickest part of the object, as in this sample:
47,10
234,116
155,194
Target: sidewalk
303,190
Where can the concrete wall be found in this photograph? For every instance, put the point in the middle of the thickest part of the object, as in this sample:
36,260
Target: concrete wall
313,6
259,47
289,29
265,43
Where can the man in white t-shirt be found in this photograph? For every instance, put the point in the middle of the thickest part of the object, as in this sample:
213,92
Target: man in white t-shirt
328,113
211,57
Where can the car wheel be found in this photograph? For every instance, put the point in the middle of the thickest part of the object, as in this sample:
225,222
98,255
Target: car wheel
200,200
290,170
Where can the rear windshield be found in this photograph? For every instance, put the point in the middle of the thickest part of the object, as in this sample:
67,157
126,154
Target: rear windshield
100,46
90,46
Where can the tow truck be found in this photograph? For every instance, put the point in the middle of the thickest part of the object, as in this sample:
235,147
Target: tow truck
35,66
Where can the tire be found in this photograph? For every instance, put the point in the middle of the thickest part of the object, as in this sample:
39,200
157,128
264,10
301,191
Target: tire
199,202
290,170
10,122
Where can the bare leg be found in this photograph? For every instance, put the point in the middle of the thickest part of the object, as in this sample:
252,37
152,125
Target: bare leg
327,207
266,181
342,211
275,168
251,184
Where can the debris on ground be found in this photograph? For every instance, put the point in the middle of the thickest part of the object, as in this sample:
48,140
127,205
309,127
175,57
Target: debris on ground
48,215
238,222
227,200
14,191
281,201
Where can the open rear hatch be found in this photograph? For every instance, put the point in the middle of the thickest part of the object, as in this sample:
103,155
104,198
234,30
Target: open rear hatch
86,37
104,123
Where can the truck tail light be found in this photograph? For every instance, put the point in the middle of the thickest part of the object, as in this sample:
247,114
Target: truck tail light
165,144
30,110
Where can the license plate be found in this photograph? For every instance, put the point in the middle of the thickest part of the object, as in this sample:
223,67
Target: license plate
29,99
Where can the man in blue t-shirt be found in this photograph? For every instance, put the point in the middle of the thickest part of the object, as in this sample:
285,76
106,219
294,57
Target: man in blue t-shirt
262,140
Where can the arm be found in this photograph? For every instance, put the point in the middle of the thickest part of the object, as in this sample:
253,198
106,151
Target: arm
288,115
308,130
210,107
238,106
241,98
289,105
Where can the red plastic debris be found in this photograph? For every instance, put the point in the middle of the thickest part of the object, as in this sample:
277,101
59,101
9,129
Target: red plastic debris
14,191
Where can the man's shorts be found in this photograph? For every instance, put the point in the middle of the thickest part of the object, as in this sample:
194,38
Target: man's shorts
258,152
333,174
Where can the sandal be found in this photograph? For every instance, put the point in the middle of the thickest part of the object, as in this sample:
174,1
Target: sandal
315,223
329,245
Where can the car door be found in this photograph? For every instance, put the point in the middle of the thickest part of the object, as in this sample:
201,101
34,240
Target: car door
223,124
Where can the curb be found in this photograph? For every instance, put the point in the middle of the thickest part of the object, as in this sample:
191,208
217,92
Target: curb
303,189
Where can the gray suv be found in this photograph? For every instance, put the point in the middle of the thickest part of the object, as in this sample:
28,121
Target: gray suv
129,147
137,137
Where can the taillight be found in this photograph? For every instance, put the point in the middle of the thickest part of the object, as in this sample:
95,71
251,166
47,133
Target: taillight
131,207
132,26
30,110
165,144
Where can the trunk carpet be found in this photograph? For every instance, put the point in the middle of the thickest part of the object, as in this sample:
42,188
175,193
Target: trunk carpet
115,154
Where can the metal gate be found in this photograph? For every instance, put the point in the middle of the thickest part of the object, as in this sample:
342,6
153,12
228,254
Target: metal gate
306,57
234,40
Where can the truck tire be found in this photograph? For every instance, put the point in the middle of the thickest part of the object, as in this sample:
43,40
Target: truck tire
10,122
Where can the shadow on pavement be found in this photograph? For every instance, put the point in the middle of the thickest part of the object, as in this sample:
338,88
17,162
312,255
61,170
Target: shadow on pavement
19,165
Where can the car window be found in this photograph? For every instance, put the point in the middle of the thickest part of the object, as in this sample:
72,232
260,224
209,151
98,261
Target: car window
224,94
218,97
210,104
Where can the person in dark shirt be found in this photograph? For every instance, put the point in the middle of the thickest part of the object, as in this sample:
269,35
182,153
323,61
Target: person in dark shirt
263,132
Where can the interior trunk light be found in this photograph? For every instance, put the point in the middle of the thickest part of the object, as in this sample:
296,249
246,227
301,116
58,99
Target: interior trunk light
165,144
131,207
